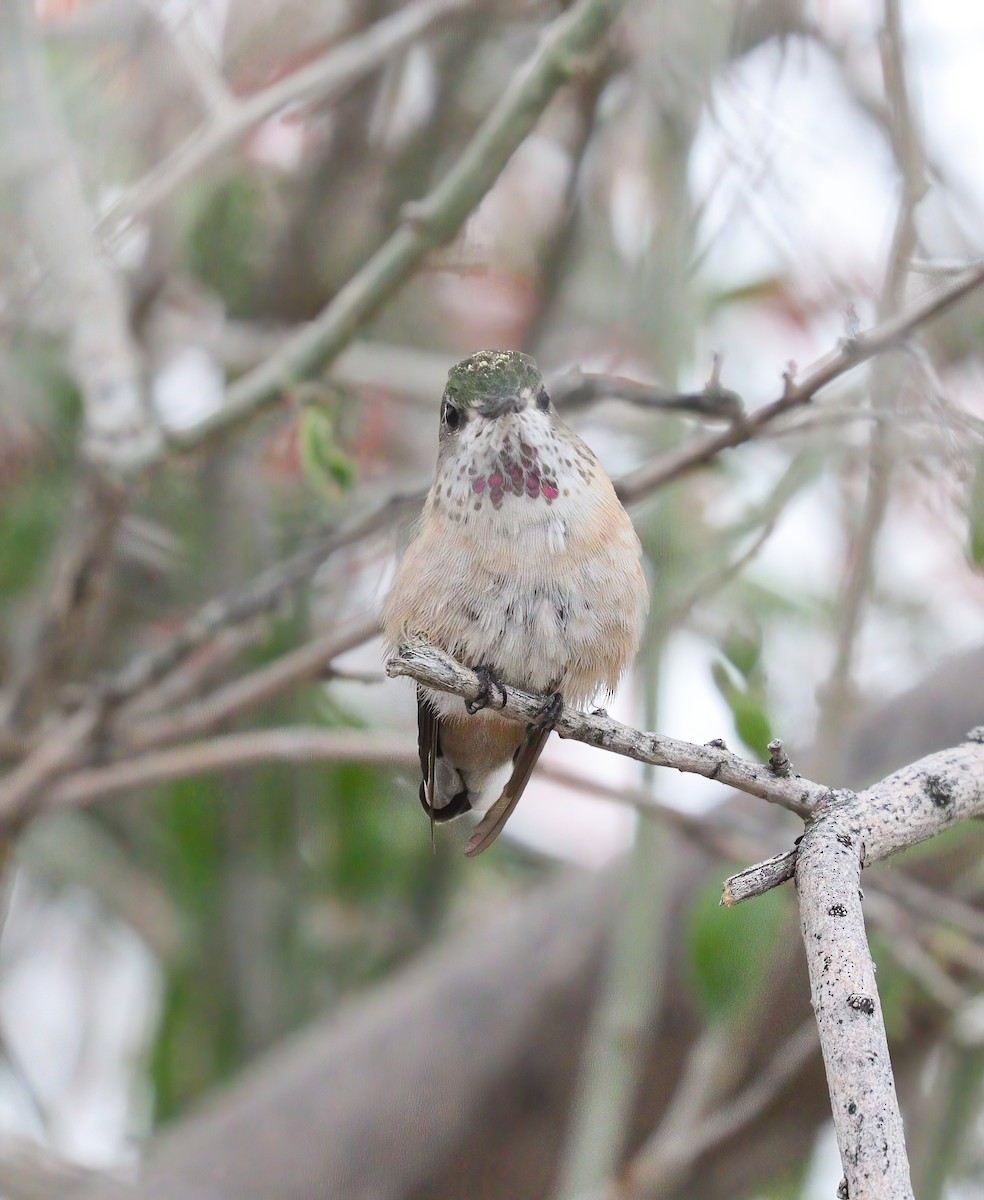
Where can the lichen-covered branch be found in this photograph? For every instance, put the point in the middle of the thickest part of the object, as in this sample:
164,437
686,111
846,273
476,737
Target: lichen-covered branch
435,669
845,831
902,810
867,1118
848,832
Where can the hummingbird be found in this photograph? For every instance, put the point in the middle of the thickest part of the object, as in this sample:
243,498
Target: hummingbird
526,568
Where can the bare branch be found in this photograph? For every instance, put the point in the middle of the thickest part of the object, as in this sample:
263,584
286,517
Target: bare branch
851,353
432,667
295,744
260,595
722,836
932,906
762,877
236,698
326,77
678,1143
865,1107
578,389
886,386
75,587
56,752
905,947
427,223
943,267
909,807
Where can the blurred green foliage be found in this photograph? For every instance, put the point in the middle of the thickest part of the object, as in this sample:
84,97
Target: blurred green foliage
975,514
326,466
740,678
227,243
729,949
36,483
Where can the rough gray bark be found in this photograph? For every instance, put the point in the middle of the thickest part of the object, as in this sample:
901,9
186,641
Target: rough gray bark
863,1097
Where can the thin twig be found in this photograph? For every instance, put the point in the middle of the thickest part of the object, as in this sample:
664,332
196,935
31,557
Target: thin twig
918,963
851,353
435,669
723,836
427,223
260,595
579,390
234,699
201,69
327,77
760,878
57,751
836,694
666,1157
74,588
933,906
943,267
292,744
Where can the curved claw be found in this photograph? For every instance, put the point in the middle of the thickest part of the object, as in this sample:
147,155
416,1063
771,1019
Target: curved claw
492,693
549,713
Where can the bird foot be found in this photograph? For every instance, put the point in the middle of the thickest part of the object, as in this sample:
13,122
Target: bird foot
548,715
491,695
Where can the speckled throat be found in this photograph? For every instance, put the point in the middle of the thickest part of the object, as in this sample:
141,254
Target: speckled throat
528,459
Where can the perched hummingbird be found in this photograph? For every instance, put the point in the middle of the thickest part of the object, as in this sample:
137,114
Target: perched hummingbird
526,568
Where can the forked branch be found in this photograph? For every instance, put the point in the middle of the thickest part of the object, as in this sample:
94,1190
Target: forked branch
845,831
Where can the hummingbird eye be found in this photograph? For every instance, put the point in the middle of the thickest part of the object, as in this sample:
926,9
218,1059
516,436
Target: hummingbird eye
451,416
542,400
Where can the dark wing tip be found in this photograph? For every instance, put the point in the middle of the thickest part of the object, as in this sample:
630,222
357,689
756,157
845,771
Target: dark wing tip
459,805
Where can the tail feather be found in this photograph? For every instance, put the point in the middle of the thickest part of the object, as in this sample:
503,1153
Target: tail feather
443,793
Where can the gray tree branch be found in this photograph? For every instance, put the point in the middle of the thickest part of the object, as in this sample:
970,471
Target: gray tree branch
844,832
338,69
121,434
428,223
863,1099
436,669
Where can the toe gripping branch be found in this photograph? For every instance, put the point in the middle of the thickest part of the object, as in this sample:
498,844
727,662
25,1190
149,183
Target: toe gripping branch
549,713
491,695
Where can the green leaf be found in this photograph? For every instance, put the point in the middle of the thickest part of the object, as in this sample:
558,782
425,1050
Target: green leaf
748,708
751,722
724,680
730,949
326,466
744,650
896,989
226,243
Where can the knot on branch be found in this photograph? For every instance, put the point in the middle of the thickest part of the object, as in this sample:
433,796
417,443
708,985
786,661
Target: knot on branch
862,1003
779,759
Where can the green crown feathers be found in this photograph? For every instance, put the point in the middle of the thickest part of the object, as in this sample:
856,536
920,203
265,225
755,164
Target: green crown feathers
490,374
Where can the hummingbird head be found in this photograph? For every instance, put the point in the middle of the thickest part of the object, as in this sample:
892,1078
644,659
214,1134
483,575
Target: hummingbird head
490,383
501,441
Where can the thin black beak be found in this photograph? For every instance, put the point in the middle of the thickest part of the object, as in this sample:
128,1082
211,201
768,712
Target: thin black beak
501,404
